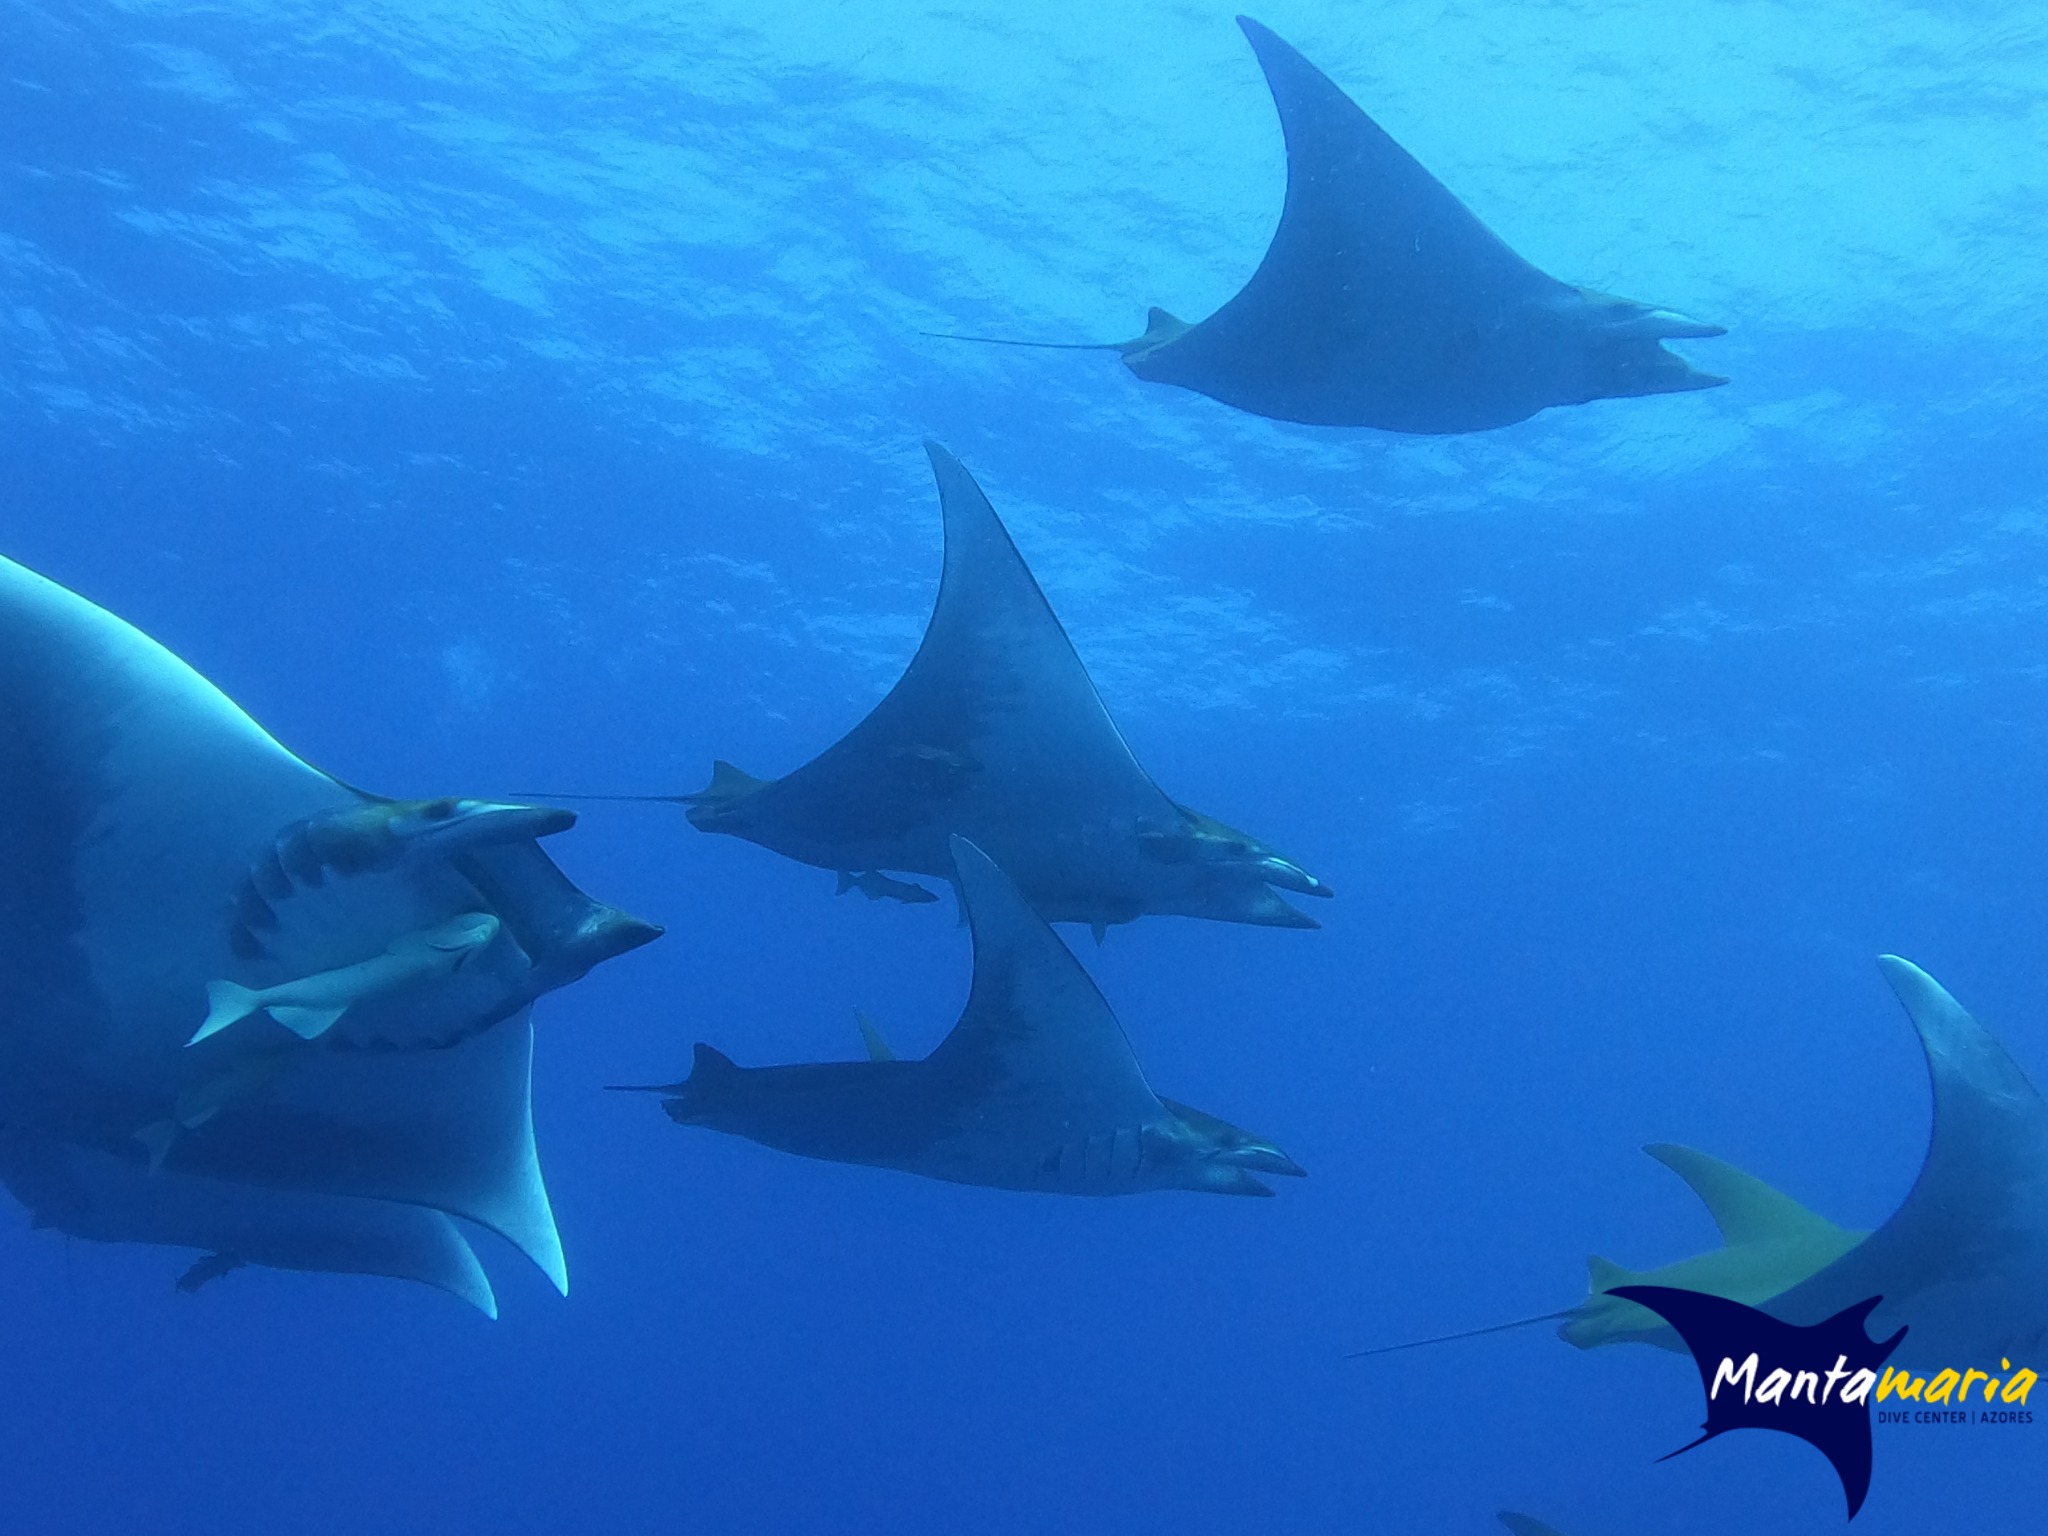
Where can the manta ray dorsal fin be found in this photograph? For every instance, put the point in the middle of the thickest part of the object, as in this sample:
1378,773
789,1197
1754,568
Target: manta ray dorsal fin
871,1037
1746,1209
1605,1274
1032,1013
1364,228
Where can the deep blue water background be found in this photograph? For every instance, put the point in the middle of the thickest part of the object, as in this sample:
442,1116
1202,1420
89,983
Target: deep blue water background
499,397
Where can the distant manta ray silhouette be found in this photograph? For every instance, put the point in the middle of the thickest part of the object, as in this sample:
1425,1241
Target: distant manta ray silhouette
1382,302
996,733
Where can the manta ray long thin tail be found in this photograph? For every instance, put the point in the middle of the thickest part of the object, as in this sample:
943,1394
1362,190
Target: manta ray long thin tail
536,795
1469,1333
1044,346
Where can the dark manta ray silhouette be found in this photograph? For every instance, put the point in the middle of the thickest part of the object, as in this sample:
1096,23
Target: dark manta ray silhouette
1800,1370
996,733
1964,1259
1382,302
1035,1088
370,1081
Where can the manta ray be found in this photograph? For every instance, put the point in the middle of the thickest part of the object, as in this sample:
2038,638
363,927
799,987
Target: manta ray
995,733
1035,1088
1770,1242
1963,1262
1383,302
225,1022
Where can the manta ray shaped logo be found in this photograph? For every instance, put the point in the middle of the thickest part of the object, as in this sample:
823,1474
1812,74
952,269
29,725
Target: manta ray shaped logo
1760,1373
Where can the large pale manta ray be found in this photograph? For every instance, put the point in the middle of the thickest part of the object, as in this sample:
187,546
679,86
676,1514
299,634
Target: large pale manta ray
1962,1264
1383,302
156,846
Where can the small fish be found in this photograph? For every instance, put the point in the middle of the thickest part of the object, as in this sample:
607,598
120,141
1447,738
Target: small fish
312,1005
877,886
212,1267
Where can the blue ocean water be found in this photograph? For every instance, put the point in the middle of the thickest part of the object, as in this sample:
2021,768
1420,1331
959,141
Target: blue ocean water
497,397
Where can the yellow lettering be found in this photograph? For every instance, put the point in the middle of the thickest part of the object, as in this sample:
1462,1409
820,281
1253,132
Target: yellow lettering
1901,1382
2017,1389
1963,1392
1941,1386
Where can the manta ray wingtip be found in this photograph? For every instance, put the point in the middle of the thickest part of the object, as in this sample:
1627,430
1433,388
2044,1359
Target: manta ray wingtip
1923,998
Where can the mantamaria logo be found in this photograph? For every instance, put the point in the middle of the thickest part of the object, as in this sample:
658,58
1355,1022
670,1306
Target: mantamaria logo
1820,1383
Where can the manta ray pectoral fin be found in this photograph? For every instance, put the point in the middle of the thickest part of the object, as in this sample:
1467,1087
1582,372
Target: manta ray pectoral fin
847,881
307,1023
871,1037
228,1002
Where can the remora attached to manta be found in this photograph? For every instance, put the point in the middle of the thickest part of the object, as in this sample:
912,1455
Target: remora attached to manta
1383,302
1035,1088
996,733
155,843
